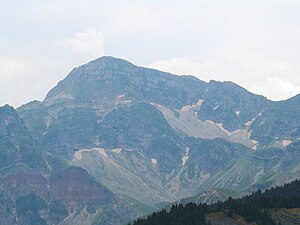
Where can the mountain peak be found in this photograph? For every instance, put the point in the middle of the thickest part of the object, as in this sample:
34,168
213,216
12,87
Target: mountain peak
18,147
104,79
108,81
7,108
98,78
104,63
110,59
8,115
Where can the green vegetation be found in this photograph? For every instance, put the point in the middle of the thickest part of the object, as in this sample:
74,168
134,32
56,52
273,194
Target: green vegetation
253,208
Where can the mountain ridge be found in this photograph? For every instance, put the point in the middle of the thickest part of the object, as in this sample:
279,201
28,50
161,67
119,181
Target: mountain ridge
151,137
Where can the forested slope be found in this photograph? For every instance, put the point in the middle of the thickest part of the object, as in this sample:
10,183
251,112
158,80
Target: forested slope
256,207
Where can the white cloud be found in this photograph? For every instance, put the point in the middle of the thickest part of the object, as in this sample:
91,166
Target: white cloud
27,79
277,88
246,69
138,18
11,66
30,75
241,41
179,65
89,42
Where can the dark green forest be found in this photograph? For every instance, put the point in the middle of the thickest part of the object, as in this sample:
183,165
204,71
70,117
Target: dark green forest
253,208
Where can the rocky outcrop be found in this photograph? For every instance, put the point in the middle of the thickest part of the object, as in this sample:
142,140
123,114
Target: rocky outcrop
17,147
279,123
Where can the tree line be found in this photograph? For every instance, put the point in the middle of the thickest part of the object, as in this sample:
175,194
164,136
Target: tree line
253,208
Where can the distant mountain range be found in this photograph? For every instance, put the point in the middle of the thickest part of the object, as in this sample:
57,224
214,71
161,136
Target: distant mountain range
120,139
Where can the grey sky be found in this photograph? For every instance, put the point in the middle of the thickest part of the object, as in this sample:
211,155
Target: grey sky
253,43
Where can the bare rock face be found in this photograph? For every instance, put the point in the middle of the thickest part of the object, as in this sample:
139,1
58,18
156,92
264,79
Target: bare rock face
279,123
17,147
107,78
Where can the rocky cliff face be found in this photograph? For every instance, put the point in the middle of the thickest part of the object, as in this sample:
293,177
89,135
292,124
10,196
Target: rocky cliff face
17,147
279,125
107,78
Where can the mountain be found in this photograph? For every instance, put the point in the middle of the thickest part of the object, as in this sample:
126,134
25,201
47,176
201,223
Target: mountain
152,137
113,141
89,92
37,188
280,124
18,149
68,197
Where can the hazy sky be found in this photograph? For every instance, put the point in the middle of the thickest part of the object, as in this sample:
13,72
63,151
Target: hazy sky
255,43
